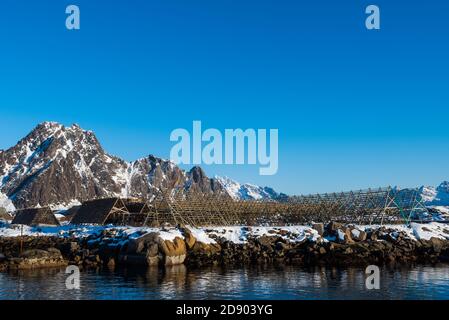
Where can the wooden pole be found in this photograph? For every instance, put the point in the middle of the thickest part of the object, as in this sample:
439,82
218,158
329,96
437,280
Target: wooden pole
21,238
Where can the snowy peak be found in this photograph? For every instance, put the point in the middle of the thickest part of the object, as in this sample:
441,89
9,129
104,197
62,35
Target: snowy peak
438,196
443,187
60,166
246,191
55,164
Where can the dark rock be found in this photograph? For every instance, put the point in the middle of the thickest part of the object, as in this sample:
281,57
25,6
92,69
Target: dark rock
188,237
319,227
332,227
358,235
280,246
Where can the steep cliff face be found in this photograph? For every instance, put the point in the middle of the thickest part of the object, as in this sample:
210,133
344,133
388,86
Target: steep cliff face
59,166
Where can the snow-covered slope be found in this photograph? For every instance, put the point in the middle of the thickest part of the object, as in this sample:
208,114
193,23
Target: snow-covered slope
246,191
438,196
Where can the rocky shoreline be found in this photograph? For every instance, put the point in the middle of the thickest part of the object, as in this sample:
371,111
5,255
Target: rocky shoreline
331,245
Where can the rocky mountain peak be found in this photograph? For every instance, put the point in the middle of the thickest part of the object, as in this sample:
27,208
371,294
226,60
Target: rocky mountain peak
61,166
248,191
443,187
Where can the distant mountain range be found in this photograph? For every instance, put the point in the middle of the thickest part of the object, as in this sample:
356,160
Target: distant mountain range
248,191
63,166
438,196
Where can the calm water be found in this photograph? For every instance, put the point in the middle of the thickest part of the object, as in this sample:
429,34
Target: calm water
421,282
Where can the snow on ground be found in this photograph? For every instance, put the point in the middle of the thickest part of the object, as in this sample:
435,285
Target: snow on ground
201,236
430,230
8,230
341,235
417,231
241,234
355,233
235,234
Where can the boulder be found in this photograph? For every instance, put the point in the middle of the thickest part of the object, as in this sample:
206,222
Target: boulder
70,247
153,250
139,245
37,258
111,263
133,259
358,235
266,242
202,248
280,246
174,252
372,235
322,250
319,227
437,244
344,236
332,227
188,237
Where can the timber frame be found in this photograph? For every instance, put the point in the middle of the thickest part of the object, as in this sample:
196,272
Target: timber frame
176,207
371,206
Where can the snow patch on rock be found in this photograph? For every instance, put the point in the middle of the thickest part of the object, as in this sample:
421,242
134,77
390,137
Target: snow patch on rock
6,203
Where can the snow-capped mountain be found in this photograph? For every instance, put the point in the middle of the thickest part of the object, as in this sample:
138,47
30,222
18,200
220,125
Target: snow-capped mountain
247,191
62,166
438,196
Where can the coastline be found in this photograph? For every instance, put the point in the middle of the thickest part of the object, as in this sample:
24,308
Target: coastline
333,244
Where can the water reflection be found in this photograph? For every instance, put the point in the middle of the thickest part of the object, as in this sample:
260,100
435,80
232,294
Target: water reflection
262,282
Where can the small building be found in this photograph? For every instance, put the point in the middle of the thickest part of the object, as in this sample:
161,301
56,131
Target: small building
139,212
136,206
101,212
35,217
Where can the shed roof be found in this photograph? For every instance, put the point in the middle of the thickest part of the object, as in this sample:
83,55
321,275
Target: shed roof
35,216
97,211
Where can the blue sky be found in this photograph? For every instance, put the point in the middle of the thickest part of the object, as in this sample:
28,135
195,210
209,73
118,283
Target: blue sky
354,108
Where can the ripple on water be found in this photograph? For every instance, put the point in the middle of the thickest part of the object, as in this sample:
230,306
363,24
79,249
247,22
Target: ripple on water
281,282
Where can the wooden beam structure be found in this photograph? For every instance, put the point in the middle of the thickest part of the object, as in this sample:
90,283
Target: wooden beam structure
371,206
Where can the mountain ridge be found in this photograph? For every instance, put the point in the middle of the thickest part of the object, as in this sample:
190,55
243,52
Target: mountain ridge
61,166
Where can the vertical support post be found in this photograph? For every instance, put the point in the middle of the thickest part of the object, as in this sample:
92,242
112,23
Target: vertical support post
21,238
